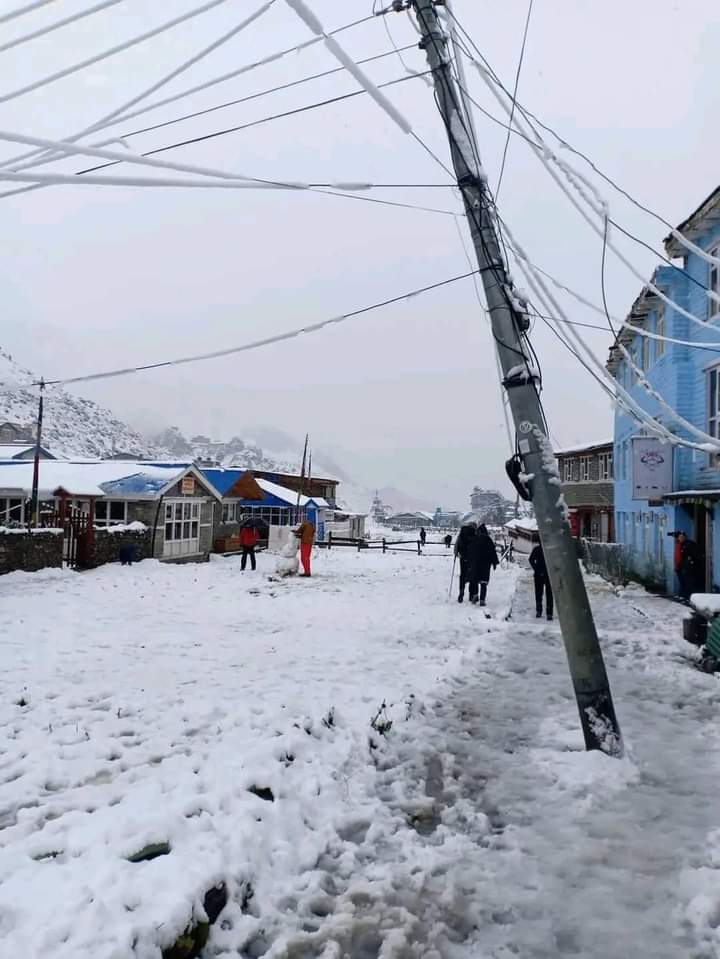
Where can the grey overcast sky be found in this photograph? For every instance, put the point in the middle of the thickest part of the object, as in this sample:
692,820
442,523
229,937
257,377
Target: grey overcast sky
99,277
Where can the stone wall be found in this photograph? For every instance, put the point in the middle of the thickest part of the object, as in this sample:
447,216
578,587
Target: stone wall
108,543
30,551
621,564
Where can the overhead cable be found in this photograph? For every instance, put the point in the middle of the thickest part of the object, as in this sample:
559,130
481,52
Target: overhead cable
624,323
118,48
547,159
58,24
316,27
256,344
111,117
201,138
677,234
649,422
21,11
514,96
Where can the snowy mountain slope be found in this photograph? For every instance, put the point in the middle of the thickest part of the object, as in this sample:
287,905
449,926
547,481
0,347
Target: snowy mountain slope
72,426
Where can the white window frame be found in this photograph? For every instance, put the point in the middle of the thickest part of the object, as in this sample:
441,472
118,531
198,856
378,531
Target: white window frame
181,527
644,363
714,282
660,331
605,463
107,521
12,514
568,470
713,409
585,469
229,512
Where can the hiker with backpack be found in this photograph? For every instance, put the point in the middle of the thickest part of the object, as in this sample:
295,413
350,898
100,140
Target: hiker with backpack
482,560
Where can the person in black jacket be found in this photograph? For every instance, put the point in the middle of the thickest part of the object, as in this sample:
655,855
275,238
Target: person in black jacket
482,558
542,580
462,551
688,565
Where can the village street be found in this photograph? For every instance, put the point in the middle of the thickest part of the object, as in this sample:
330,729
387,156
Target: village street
221,723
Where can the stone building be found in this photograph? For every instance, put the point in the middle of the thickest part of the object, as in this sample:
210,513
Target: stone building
586,473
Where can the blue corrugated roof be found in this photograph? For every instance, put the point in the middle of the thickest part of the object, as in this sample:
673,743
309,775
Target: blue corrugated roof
138,484
223,480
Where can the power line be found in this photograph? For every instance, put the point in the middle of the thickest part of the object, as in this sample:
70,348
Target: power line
252,96
246,126
529,115
111,51
58,24
309,328
602,279
21,11
514,96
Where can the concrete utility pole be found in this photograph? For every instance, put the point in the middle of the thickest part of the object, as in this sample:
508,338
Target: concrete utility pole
509,321
34,495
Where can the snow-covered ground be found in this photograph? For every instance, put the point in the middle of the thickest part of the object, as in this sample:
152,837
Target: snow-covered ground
152,704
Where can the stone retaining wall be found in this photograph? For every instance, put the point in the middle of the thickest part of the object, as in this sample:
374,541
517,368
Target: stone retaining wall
30,551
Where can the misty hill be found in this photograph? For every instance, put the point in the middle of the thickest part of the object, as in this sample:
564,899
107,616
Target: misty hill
72,426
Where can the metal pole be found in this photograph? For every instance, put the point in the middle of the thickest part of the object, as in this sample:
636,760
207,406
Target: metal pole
34,497
587,668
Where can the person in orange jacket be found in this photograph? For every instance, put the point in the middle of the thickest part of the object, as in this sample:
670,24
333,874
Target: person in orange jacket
249,538
306,534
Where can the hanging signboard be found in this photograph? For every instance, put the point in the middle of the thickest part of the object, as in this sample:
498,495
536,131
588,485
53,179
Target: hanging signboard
187,486
652,468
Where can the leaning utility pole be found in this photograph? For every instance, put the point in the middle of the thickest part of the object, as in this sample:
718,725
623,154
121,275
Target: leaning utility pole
34,496
509,323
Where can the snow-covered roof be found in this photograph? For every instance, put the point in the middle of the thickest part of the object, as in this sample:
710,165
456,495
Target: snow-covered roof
288,495
584,447
11,451
92,478
526,525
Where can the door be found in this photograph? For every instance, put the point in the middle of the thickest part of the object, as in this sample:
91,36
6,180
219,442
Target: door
604,527
700,535
182,528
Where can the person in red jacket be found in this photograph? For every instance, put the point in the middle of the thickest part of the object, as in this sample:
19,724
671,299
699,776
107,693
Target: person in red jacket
249,538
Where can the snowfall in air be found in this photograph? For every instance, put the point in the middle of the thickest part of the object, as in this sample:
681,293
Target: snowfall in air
366,768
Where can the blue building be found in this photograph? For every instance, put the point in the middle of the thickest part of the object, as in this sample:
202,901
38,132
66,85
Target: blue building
662,487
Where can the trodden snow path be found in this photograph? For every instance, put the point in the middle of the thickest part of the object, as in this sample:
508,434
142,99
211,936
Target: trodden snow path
142,706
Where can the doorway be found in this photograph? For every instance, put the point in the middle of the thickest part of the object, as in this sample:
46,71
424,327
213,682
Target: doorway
702,534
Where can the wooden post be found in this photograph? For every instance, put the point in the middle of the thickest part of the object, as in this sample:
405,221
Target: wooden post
329,539
419,550
384,545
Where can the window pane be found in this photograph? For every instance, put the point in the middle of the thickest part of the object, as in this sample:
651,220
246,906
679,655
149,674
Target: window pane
195,510
101,510
195,529
225,512
178,531
168,511
713,392
168,531
117,512
187,509
186,530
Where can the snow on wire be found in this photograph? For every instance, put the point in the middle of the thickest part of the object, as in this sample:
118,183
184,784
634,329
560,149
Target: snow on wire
253,345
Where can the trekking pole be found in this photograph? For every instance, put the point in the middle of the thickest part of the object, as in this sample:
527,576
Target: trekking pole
452,577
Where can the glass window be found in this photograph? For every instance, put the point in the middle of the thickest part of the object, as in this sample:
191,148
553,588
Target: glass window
605,466
117,512
660,330
714,283
585,469
713,391
645,365
168,531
